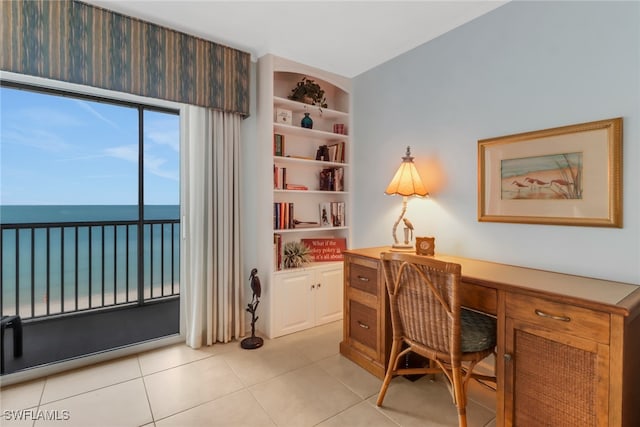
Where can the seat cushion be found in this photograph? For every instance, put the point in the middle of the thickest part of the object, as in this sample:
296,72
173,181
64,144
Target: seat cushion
478,331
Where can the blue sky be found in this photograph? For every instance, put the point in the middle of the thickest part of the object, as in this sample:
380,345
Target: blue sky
64,151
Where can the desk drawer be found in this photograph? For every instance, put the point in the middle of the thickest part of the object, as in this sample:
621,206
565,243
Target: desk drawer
363,322
363,278
577,321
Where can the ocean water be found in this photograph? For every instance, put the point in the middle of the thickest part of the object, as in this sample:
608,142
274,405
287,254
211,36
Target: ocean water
63,269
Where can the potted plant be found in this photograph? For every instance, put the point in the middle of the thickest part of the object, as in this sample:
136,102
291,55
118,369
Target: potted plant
296,254
309,92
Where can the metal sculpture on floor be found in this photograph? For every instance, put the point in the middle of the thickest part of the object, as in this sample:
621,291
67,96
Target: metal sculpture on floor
253,341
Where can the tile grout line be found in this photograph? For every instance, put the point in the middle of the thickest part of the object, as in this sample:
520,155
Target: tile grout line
146,392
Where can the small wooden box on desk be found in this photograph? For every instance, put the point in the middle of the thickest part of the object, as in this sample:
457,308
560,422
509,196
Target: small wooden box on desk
568,347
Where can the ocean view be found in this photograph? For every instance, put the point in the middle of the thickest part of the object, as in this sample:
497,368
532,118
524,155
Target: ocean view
85,266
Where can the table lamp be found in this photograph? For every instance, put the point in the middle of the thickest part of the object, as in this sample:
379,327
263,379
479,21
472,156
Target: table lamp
406,182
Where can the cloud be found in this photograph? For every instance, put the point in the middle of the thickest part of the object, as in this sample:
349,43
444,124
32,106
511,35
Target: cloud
86,106
45,117
170,138
124,152
154,165
36,138
164,131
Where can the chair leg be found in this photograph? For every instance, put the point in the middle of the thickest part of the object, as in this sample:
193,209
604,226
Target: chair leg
460,397
395,349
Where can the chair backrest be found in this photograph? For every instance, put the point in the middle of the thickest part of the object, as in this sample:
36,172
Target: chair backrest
424,300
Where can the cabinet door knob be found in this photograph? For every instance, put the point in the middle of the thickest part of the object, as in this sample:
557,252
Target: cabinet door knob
507,357
363,279
318,285
313,286
362,325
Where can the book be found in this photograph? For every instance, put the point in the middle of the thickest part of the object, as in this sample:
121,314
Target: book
334,214
279,178
331,179
296,187
277,251
283,215
333,152
341,215
338,179
326,180
278,144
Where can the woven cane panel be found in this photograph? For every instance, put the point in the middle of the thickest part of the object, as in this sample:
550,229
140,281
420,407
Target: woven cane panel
423,318
554,384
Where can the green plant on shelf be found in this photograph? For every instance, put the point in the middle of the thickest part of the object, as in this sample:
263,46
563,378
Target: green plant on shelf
309,92
296,254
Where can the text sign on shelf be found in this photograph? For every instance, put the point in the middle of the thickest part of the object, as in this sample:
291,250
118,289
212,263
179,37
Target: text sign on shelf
326,249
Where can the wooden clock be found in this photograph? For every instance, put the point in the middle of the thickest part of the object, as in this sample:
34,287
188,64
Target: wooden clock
425,245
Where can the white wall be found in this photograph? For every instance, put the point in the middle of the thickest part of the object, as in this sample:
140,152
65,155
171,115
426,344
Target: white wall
522,67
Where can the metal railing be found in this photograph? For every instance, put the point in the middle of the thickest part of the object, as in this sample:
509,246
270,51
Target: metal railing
49,269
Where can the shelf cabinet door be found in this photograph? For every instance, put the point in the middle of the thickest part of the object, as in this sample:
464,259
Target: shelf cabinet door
553,377
328,295
294,304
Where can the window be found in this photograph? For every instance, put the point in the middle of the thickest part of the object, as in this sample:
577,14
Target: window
89,201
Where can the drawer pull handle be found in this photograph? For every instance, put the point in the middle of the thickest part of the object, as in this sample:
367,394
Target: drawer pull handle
363,279
362,325
551,316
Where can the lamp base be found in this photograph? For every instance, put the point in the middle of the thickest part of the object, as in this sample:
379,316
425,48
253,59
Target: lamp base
398,247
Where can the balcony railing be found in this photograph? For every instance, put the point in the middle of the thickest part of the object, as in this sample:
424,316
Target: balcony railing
60,268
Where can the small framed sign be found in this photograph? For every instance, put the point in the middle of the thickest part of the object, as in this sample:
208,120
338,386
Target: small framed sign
326,249
425,245
284,116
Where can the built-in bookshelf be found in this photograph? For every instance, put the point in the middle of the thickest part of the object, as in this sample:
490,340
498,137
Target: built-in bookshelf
305,190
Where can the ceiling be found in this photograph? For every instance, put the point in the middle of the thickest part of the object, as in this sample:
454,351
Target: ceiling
343,37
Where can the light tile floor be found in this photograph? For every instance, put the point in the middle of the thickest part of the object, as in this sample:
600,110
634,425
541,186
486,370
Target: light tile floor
297,380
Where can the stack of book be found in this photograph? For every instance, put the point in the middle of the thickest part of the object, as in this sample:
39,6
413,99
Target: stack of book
332,179
283,216
336,152
279,178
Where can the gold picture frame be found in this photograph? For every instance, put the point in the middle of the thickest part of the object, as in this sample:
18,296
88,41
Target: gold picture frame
569,175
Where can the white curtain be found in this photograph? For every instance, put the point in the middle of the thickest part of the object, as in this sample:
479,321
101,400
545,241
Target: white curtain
211,280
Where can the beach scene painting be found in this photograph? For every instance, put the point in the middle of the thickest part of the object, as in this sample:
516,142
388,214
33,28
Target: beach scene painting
548,177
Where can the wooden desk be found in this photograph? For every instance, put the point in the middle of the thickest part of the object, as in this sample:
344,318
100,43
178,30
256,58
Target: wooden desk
568,347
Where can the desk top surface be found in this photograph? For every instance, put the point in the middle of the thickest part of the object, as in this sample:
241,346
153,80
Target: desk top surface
513,277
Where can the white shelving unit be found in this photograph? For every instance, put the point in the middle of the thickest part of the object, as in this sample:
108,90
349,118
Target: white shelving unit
296,299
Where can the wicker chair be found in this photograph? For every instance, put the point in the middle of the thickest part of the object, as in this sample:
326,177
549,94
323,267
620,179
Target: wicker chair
427,319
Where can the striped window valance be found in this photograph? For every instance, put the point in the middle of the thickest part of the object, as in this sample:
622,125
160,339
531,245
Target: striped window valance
78,43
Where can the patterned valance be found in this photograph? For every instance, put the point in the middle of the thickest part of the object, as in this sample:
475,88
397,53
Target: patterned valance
78,43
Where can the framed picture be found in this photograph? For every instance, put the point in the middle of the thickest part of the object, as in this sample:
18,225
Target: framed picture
284,116
325,214
569,175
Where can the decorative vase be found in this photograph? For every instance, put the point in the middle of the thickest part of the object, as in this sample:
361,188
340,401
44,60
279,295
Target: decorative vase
306,122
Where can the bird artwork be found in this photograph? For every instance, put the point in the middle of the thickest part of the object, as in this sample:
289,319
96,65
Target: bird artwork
253,341
535,182
256,288
408,226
